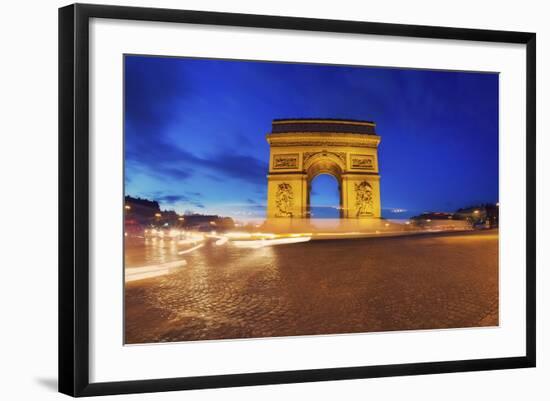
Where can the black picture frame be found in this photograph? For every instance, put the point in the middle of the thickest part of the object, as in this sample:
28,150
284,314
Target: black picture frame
74,198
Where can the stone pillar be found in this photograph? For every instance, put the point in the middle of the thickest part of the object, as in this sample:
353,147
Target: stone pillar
344,194
286,196
362,193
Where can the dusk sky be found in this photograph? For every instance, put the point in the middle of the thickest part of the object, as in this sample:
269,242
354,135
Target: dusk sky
195,131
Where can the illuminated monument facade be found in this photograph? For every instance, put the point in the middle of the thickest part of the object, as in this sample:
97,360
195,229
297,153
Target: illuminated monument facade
301,149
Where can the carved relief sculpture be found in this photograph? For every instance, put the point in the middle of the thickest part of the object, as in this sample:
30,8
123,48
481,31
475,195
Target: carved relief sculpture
363,199
285,161
340,155
364,162
284,200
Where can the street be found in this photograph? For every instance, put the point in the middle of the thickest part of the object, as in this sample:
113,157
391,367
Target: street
319,287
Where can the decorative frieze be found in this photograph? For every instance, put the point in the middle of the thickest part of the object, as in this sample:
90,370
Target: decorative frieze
308,155
285,161
362,162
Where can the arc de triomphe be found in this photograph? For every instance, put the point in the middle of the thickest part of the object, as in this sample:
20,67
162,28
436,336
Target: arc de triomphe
301,149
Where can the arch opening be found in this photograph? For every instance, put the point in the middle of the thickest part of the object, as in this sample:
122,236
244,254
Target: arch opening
324,163
324,181
325,200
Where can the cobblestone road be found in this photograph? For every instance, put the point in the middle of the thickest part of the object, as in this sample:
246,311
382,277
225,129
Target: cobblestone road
320,287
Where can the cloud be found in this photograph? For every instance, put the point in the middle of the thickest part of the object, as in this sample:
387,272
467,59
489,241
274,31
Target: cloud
242,140
176,173
158,95
172,198
152,89
172,162
245,168
214,177
151,85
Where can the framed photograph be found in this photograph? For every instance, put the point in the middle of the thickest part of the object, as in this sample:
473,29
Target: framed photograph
250,199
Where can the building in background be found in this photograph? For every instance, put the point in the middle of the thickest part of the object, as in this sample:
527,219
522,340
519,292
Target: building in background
485,215
479,216
141,214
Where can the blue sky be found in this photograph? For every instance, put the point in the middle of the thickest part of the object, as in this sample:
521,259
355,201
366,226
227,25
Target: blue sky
195,131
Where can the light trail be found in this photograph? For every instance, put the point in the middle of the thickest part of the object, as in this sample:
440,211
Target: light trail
149,271
255,244
190,249
221,241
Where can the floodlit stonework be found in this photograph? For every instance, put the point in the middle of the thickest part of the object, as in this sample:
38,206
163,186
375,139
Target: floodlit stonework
301,149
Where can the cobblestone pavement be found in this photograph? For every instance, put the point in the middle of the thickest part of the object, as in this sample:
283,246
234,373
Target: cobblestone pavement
320,287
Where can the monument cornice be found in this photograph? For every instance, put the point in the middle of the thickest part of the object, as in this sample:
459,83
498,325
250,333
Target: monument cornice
340,139
352,174
296,125
323,121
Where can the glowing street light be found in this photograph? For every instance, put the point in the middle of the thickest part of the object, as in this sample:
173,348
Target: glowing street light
127,207
158,215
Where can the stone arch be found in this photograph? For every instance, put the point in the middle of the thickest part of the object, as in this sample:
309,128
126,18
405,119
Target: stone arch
301,149
324,163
